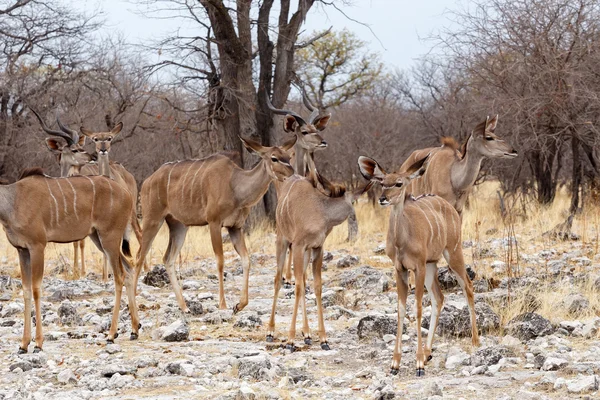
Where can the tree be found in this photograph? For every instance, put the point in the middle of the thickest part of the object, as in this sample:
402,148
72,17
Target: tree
336,66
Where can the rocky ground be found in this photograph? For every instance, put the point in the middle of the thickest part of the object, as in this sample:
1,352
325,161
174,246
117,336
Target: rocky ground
214,354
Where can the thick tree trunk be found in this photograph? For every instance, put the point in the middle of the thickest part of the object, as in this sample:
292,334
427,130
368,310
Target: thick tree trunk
576,175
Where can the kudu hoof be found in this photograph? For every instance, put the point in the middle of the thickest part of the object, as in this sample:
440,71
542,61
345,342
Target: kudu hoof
308,341
236,308
22,351
37,349
291,347
133,336
110,341
270,338
325,346
394,371
420,372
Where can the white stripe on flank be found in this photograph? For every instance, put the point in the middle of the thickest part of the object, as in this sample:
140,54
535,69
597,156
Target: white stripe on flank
283,203
74,199
429,222
202,167
93,192
111,194
184,178
435,216
55,205
169,181
63,196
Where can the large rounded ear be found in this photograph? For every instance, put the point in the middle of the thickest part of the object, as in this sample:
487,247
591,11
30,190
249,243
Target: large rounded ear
115,131
290,143
252,146
490,124
370,169
418,168
290,123
321,122
81,141
54,145
86,132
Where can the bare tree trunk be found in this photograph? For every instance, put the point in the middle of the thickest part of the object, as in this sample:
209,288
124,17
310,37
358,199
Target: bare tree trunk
577,175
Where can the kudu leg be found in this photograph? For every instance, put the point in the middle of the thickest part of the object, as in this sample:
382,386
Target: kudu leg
287,279
317,265
37,273
177,233
149,232
75,257
104,269
305,326
82,251
437,302
217,244
298,252
402,289
26,279
237,238
419,289
281,248
457,265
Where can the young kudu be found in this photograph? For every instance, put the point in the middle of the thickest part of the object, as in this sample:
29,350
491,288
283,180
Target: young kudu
305,217
38,209
421,231
212,191
450,174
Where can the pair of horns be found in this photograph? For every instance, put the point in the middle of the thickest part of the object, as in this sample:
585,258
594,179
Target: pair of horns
70,135
314,112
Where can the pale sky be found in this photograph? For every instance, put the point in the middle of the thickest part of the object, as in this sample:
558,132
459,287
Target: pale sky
400,25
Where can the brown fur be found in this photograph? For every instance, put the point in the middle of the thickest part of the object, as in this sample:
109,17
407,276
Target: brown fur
31,172
448,141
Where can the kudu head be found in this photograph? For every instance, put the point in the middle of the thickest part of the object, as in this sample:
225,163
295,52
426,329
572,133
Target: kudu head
103,140
307,132
484,141
276,159
68,149
393,184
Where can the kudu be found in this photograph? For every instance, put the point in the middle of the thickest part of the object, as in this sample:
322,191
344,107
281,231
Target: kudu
38,209
450,174
305,217
309,140
421,230
212,191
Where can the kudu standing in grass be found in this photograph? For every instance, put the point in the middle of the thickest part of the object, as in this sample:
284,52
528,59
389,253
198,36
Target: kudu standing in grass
421,230
213,191
38,209
305,217
74,160
450,174
308,140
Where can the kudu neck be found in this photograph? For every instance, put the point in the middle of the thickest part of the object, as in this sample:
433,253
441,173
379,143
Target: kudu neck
300,166
465,171
251,185
103,165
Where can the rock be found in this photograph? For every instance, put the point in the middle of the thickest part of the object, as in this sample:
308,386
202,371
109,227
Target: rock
218,317
498,266
583,384
118,381
245,392
447,279
121,369
146,361
376,326
37,360
22,365
389,338
432,389
491,355
511,341
456,322
68,315
248,321
347,261
255,367
364,277
61,294
528,326
554,364
157,277
66,376
113,348
575,303
555,267
380,249
191,285
181,367
456,360
11,309
178,331
195,307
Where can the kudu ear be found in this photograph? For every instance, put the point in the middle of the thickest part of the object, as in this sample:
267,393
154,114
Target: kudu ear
370,169
418,168
356,193
81,141
290,123
321,122
290,143
115,131
53,145
252,146
86,132
490,123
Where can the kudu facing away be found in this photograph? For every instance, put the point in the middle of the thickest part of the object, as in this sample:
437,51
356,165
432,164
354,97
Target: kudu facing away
308,140
38,209
212,191
421,231
305,217
450,174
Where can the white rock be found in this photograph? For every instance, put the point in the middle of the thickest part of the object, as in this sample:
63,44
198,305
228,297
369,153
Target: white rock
457,360
389,338
118,381
66,376
510,341
560,383
583,384
554,363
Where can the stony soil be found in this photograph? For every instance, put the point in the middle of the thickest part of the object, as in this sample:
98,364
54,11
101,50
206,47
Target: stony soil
214,354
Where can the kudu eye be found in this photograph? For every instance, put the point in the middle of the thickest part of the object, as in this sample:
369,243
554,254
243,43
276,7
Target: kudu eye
109,139
274,159
304,133
398,184
95,139
489,138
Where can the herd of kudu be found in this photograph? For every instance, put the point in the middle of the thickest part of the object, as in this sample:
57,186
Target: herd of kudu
97,198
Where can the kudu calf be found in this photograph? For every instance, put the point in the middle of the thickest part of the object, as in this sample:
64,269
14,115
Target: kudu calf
305,217
212,191
38,209
451,174
421,230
